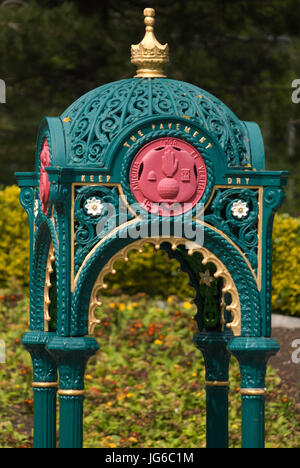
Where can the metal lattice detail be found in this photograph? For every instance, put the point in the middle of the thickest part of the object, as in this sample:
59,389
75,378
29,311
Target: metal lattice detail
221,271
92,225
236,214
93,121
48,285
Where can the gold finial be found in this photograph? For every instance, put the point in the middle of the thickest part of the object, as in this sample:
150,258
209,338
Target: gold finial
149,55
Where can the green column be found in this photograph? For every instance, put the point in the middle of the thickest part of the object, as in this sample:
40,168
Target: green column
253,354
71,356
213,346
44,389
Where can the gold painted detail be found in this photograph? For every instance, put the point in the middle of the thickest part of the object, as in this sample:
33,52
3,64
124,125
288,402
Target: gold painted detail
257,276
253,391
122,196
71,392
228,287
178,126
216,383
48,285
208,257
44,384
149,55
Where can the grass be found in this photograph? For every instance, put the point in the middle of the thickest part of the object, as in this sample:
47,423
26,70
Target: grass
144,387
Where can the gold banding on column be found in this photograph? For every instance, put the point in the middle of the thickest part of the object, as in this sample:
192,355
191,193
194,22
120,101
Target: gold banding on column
71,392
253,391
44,384
216,383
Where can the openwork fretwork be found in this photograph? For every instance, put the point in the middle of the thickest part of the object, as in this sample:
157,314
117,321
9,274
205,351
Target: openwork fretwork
221,272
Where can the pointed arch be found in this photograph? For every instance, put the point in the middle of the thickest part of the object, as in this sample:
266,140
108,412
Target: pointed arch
230,265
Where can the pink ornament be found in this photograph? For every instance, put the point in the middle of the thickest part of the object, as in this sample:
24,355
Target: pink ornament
44,179
168,176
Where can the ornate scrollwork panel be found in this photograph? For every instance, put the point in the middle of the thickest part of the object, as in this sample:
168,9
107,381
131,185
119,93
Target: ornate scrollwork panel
48,285
94,120
97,209
236,212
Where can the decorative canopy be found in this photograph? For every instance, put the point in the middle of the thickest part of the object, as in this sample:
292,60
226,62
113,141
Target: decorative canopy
138,161
154,149
97,118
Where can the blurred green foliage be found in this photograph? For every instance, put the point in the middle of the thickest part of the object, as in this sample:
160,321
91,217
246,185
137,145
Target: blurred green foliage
246,53
145,386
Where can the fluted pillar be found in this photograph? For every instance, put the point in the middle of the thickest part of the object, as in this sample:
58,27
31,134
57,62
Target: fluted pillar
213,346
71,355
253,354
44,389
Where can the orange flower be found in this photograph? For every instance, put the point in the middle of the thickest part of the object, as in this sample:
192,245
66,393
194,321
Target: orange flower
28,402
151,329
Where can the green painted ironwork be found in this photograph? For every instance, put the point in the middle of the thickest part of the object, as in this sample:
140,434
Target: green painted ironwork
92,146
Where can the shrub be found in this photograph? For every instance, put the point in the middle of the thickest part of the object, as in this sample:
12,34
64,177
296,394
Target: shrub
14,238
286,265
150,272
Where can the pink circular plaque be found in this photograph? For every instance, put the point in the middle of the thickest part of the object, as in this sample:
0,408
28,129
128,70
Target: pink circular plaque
168,176
44,179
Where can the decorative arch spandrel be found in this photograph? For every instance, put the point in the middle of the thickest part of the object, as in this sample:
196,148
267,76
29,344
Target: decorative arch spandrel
228,261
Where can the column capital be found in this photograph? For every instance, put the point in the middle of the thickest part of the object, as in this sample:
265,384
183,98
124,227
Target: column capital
71,355
253,354
44,366
213,346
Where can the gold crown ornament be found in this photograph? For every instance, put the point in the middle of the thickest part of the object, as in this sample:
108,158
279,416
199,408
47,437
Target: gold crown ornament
149,55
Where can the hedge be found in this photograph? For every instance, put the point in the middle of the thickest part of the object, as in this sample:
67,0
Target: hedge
14,239
148,273
286,265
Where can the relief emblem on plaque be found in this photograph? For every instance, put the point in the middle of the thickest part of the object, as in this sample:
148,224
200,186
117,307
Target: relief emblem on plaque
168,176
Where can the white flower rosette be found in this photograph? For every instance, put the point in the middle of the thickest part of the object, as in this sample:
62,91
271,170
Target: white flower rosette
94,206
239,209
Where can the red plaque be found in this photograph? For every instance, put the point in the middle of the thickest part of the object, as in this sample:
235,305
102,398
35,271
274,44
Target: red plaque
168,176
44,179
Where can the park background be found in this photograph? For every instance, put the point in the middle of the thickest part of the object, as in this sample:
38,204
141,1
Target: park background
245,52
